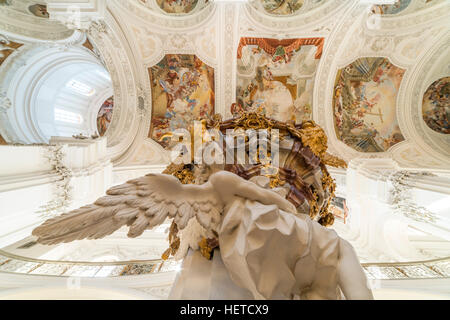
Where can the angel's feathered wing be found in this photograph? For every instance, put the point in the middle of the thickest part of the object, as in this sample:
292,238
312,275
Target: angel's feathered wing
141,204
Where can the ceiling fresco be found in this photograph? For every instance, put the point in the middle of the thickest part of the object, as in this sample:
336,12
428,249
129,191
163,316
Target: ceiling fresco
183,91
365,104
39,10
176,7
283,67
104,116
277,76
395,8
282,7
436,106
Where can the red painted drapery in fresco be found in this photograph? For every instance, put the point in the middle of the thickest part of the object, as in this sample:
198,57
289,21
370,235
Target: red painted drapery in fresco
289,45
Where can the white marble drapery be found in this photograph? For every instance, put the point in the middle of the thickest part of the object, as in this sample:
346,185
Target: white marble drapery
265,253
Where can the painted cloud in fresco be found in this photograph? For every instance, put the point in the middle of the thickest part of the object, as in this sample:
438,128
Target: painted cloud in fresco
182,91
436,106
365,104
277,76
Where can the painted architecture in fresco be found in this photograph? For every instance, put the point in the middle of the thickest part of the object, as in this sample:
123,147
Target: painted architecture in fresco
395,8
339,209
436,106
182,91
104,116
177,6
365,104
277,76
282,7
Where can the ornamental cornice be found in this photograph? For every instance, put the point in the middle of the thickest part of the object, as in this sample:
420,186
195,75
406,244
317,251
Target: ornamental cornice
111,44
160,20
25,24
316,18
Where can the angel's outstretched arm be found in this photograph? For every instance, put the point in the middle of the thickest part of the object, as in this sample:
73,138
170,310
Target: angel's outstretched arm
230,185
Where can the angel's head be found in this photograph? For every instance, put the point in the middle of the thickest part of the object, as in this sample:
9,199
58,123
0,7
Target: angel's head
202,172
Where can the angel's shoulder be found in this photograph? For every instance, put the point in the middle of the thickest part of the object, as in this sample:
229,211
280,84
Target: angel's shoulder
223,176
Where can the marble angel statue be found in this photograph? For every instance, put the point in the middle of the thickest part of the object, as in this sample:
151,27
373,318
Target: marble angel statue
265,248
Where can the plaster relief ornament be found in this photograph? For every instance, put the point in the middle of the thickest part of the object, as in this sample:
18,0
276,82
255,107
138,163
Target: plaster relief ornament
255,226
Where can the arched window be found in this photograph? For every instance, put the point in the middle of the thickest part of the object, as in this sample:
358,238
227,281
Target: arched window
57,93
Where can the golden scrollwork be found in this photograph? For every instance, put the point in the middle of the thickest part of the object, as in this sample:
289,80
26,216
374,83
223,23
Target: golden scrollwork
252,120
328,182
174,242
314,137
185,176
327,220
333,161
173,168
276,182
207,247
310,134
314,205
215,121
